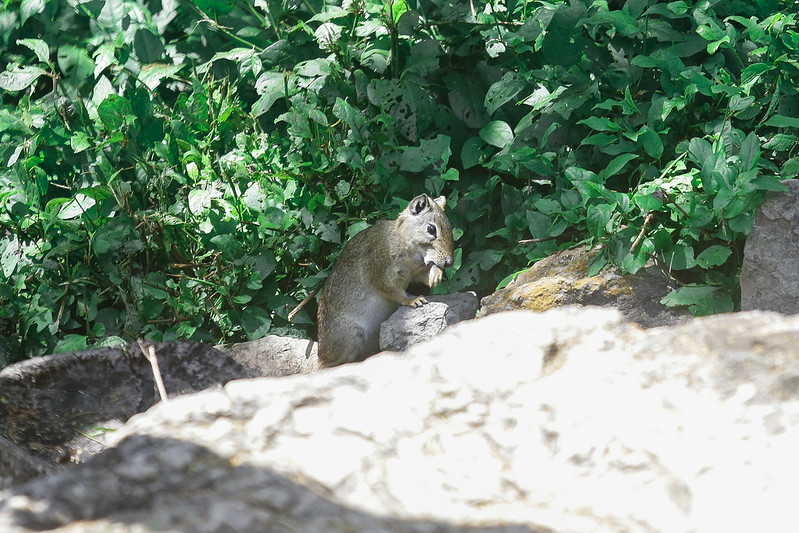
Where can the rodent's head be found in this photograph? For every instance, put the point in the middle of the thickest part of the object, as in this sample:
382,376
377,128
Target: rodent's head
429,228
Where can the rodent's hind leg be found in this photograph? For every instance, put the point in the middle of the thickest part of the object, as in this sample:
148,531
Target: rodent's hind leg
351,343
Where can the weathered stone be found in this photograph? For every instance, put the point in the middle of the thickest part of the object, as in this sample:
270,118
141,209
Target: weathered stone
770,271
561,279
57,409
571,420
409,326
274,355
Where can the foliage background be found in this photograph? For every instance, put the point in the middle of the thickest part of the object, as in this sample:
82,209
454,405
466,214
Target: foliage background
191,169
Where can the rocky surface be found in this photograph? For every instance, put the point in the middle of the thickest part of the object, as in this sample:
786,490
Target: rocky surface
770,271
274,355
57,410
561,279
409,326
571,420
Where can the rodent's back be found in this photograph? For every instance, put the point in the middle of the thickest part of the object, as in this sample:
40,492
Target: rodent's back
348,302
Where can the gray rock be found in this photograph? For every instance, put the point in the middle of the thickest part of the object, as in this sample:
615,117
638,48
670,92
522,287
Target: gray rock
57,409
770,271
274,355
409,326
561,279
571,420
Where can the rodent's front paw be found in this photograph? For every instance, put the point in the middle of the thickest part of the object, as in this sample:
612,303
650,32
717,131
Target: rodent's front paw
435,276
419,301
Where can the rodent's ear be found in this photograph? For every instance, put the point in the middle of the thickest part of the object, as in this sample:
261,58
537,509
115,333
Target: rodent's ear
418,204
441,201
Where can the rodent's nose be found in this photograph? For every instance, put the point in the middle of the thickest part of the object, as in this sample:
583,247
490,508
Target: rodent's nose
448,262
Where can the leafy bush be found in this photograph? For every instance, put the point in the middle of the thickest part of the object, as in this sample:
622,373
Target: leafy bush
191,171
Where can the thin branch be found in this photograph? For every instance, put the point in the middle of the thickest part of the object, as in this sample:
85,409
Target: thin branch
149,354
302,304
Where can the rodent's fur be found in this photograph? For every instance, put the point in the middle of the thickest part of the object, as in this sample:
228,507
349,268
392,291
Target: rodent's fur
369,280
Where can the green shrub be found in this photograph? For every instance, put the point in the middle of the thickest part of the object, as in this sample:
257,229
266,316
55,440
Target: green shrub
192,172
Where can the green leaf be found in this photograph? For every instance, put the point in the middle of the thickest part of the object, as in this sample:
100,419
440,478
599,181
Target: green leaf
651,142
780,121
497,133
617,164
256,322
11,255
750,151
39,47
79,142
215,8
680,257
71,343
76,207
147,45
503,91
429,152
713,256
29,8
152,74
688,295
113,111
474,152
598,219
199,201
20,78
600,124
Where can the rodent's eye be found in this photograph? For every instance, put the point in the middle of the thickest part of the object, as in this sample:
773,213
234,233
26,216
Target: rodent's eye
431,229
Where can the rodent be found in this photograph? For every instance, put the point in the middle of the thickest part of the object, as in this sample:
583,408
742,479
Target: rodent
370,278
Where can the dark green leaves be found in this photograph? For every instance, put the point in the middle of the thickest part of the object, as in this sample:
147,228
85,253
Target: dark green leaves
193,171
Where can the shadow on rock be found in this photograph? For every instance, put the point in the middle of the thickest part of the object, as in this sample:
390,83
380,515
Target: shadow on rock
56,409
166,484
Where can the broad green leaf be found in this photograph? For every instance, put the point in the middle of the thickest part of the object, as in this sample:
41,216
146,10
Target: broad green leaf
474,152
767,183
680,257
71,343
79,142
152,74
429,152
199,201
651,142
215,7
330,12
617,164
750,151
148,46
713,256
20,78
781,121
76,207
39,47
780,142
486,258
647,202
503,91
600,124
29,8
688,295
114,111
678,8
75,62
752,73
497,133
103,57
598,218
11,255
541,98
398,8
